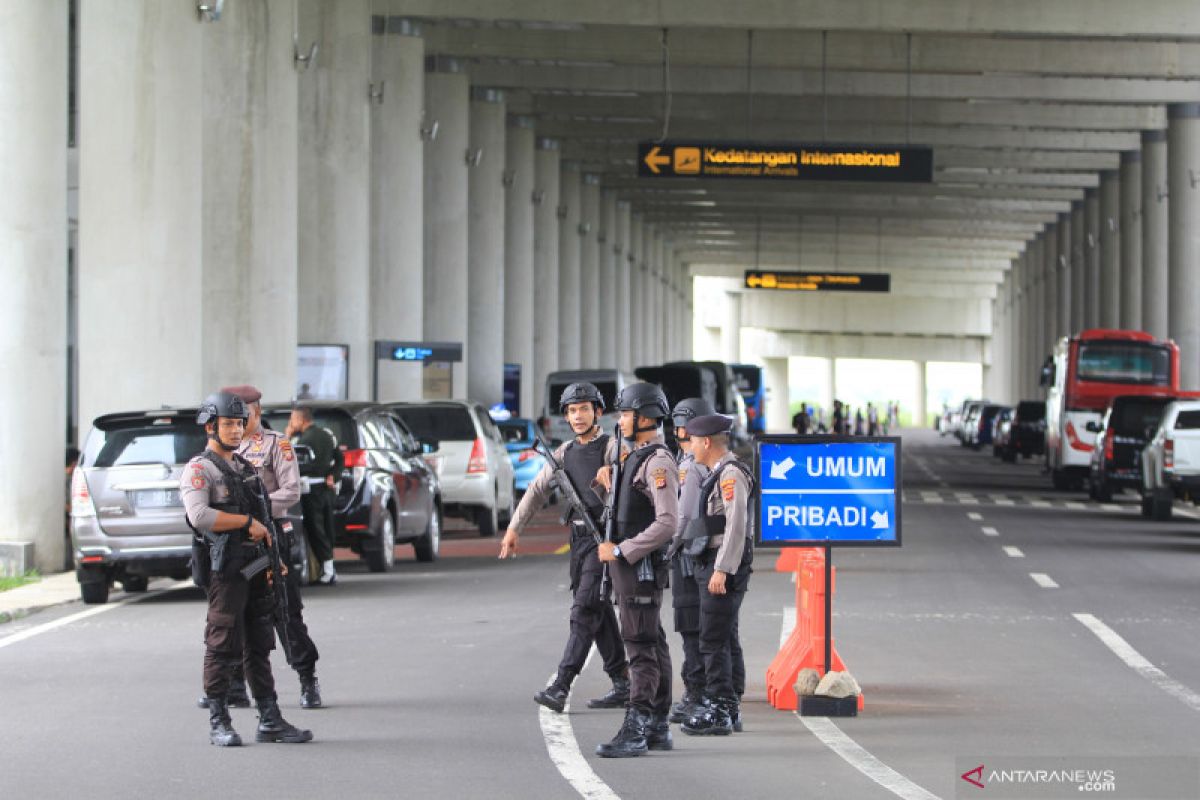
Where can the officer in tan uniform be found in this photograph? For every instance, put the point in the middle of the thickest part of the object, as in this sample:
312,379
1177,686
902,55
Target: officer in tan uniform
721,537
592,615
221,507
644,508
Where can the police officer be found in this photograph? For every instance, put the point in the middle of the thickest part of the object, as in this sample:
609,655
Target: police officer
272,455
219,505
685,594
646,504
722,571
321,475
592,615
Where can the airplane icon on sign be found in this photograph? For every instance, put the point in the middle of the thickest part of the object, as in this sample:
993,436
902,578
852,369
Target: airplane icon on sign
687,160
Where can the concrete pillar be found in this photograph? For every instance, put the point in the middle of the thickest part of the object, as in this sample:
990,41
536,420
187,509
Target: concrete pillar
621,267
777,395
522,315
546,181
731,328
1033,256
589,272
1049,269
140,210
653,306
447,104
1028,314
1155,237
1091,255
920,415
334,186
397,199
1110,250
249,199
1131,240
1183,158
637,320
831,366
570,321
1063,318
485,247
33,266
606,298
1078,266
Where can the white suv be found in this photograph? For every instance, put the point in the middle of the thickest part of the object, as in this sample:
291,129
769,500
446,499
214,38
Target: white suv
471,460
1171,460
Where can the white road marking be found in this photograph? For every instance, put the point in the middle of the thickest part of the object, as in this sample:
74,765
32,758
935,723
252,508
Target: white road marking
990,531
968,501
1139,663
564,751
1076,505
1039,504
46,627
850,751
870,766
1043,580
1004,501
974,516
1013,552
1110,507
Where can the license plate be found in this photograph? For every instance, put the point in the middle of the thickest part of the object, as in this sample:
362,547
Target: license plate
156,498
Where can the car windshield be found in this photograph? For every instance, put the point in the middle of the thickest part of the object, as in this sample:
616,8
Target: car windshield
167,440
336,422
1029,410
1132,419
438,423
513,432
1124,362
1187,421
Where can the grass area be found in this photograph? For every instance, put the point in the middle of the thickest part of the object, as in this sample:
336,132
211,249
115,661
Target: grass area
20,580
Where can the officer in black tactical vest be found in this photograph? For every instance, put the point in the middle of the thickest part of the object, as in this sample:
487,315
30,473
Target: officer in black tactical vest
720,537
221,508
685,594
592,616
643,504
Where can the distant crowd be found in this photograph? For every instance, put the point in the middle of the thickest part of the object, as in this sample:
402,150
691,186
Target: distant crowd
845,420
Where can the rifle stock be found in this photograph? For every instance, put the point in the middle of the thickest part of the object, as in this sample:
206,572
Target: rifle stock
272,559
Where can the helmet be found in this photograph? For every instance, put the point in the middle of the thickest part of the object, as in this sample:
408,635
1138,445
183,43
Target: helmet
580,393
222,404
645,398
690,408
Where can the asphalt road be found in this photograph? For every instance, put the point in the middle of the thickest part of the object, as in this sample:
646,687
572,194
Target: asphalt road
428,671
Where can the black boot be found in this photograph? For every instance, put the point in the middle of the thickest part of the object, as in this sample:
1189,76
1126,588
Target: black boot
630,741
616,697
272,727
554,696
736,715
310,692
658,733
237,697
712,719
202,702
687,706
221,732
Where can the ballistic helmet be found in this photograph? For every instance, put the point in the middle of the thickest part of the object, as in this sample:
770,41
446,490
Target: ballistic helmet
580,393
690,408
644,398
222,404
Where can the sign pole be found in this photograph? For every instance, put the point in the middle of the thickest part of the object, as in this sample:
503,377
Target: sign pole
828,609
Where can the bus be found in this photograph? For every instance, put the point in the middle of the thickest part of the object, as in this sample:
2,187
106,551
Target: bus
1085,372
750,384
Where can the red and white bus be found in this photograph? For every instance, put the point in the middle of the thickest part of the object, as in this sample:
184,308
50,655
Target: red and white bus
1088,370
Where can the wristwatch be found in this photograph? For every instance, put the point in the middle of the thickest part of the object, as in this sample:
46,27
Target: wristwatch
617,551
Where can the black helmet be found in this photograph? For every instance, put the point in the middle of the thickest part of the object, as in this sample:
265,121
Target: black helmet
222,404
580,393
689,409
645,398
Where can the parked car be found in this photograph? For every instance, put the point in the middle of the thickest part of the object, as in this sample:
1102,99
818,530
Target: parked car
967,420
388,494
1171,460
1121,434
518,435
1027,431
472,462
1001,430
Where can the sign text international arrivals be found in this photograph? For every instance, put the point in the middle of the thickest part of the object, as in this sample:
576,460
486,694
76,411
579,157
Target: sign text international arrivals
821,162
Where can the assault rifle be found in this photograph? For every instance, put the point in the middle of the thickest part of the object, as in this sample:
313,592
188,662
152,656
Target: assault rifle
271,558
568,488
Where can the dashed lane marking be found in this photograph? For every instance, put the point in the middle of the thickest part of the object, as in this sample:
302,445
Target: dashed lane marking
974,516
1139,663
564,750
989,531
46,627
1043,580
1013,552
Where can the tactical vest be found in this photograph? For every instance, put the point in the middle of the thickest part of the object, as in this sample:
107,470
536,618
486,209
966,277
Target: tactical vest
714,524
223,548
635,511
582,462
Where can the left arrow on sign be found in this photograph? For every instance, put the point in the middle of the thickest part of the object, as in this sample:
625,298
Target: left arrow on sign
654,160
780,469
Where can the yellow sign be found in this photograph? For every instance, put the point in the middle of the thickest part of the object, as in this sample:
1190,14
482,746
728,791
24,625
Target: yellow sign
818,281
785,161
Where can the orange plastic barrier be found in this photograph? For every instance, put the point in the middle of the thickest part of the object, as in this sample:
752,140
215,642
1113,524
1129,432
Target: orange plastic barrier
805,647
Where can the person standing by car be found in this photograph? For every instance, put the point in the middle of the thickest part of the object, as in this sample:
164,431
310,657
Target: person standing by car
592,615
723,574
647,514
322,475
219,505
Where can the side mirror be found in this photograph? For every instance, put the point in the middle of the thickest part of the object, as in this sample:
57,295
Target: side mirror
1092,427
429,445
1047,376
304,454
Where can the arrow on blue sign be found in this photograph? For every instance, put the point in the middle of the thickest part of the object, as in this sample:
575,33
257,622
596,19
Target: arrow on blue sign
780,469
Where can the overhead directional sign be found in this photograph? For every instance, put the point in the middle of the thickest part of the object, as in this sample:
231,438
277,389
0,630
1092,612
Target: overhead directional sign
824,490
819,281
816,162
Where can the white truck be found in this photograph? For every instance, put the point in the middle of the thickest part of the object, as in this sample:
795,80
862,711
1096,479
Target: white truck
1171,460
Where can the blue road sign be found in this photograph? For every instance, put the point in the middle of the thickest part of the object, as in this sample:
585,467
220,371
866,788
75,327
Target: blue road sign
817,491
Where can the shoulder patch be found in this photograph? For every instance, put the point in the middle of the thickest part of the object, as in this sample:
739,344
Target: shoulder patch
727,489
682,474
285,447
660,478
198,480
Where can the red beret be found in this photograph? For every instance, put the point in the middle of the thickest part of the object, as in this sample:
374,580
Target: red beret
248,393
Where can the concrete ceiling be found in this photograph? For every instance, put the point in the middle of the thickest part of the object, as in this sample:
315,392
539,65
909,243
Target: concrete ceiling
1023,102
